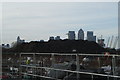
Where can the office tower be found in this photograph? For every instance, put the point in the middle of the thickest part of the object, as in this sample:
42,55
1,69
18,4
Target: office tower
51,38
90,36
41,40
71,35
94,38
6,46
81,34
19,40
57,38
3,45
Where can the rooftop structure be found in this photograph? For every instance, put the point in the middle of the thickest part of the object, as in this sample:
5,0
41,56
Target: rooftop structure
101,42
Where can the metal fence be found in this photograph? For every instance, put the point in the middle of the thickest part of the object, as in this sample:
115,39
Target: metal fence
59,66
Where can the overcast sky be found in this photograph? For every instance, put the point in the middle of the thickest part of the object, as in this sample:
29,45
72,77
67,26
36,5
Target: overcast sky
38,20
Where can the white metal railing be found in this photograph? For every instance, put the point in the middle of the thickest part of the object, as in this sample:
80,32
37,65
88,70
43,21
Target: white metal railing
72,71
95,54
39,76
77,59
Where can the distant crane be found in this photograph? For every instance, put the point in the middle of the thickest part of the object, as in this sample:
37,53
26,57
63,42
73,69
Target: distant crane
67,34
101,36
111,41
101,41
115,42
108,42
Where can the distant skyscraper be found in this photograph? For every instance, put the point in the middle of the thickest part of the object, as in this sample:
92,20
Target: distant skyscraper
41,40
3,45
19,40
80,34
71,35
6,46
51,38
94,38
57,38
90,36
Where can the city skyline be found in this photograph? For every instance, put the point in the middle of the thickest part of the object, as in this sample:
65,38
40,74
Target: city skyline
36,21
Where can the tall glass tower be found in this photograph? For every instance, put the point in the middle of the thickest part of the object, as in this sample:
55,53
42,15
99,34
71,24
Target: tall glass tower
81,34
90,36
71,35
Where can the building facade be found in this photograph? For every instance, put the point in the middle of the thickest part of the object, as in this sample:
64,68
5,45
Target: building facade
51,38
71,35
101,42
57,38
6,46
90,36
19,40
80,34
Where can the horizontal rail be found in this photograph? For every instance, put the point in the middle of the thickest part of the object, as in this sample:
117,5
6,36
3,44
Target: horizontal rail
73,71
69,54
39,76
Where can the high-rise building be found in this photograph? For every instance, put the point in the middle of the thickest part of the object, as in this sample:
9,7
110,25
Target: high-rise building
3,45
6,46
81,34
90,36
94,38
57,38
41,40
19,40
71,35
51,38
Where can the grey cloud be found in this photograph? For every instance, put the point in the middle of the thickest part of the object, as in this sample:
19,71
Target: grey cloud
45,19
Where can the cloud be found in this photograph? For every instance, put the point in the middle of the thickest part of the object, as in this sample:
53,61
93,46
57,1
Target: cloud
42,20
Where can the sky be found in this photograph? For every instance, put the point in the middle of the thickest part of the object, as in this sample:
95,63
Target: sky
34,21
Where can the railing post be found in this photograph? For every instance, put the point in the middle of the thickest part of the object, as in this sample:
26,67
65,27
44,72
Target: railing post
20,69
92,77
53,59
113,66
78,65
107,77
99,62
56,74
34,62
53,62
